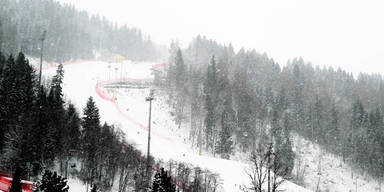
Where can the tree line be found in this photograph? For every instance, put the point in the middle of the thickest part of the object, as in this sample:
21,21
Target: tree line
243,100
71,34
40,130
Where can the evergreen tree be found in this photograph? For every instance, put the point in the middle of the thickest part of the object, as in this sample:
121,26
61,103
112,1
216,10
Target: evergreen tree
225,112
8,97
210,84
2,106
16,102
276,130
282,100
181,90
283,144
163,182
246,102
2,62
51,182
57,111
287,156
73,128
180,70
227,126
318,119
41,144
91,132
298,102
357,123
94,188
157,182
333,132
16,181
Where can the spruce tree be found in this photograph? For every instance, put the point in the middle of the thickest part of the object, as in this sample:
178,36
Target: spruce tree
72,126
210,102
276,130
168,185
2,129
227,117
318,118
181,90
16,102
7,97
157,182
57,111
333,132
51,182
41,144
180,70
16,181
94,188
91,132
2,62
163,182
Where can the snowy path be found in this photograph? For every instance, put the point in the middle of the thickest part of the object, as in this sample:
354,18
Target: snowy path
130,113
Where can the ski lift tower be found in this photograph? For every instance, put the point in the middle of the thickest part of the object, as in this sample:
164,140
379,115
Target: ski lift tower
150,98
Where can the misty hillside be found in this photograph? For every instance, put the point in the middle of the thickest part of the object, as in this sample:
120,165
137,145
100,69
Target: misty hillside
231,92
71,34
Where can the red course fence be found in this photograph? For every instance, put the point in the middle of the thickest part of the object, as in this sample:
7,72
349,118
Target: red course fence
6,181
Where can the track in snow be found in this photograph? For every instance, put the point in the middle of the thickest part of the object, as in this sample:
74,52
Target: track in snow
84,79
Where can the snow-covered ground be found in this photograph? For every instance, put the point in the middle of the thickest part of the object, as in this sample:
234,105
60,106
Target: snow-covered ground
328,172
130,112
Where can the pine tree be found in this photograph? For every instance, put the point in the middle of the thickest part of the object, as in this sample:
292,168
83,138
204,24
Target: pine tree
209,121
168,185
210,84
16,181
157,182
181,90
8,96
357,123
73,128
163,182
41,145
57,111
298,104
246,104
94,188
333,132
180,70
225,142
2,107
318,127
2,62
283,144
51,182
227,117
91,133
282,100
16,102
276,130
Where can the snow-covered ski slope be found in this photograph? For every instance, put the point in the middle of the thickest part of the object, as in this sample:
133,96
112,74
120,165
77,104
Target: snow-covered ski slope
327,172
130,112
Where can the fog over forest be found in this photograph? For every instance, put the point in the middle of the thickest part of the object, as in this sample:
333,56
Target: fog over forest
191,96
346,34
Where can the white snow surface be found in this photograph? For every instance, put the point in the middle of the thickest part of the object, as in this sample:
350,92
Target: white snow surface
328,172
130,113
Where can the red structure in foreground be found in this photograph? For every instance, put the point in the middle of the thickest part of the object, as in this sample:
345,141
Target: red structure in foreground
6,181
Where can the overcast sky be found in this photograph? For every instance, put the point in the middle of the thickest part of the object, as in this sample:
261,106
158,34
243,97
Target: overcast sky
340,33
